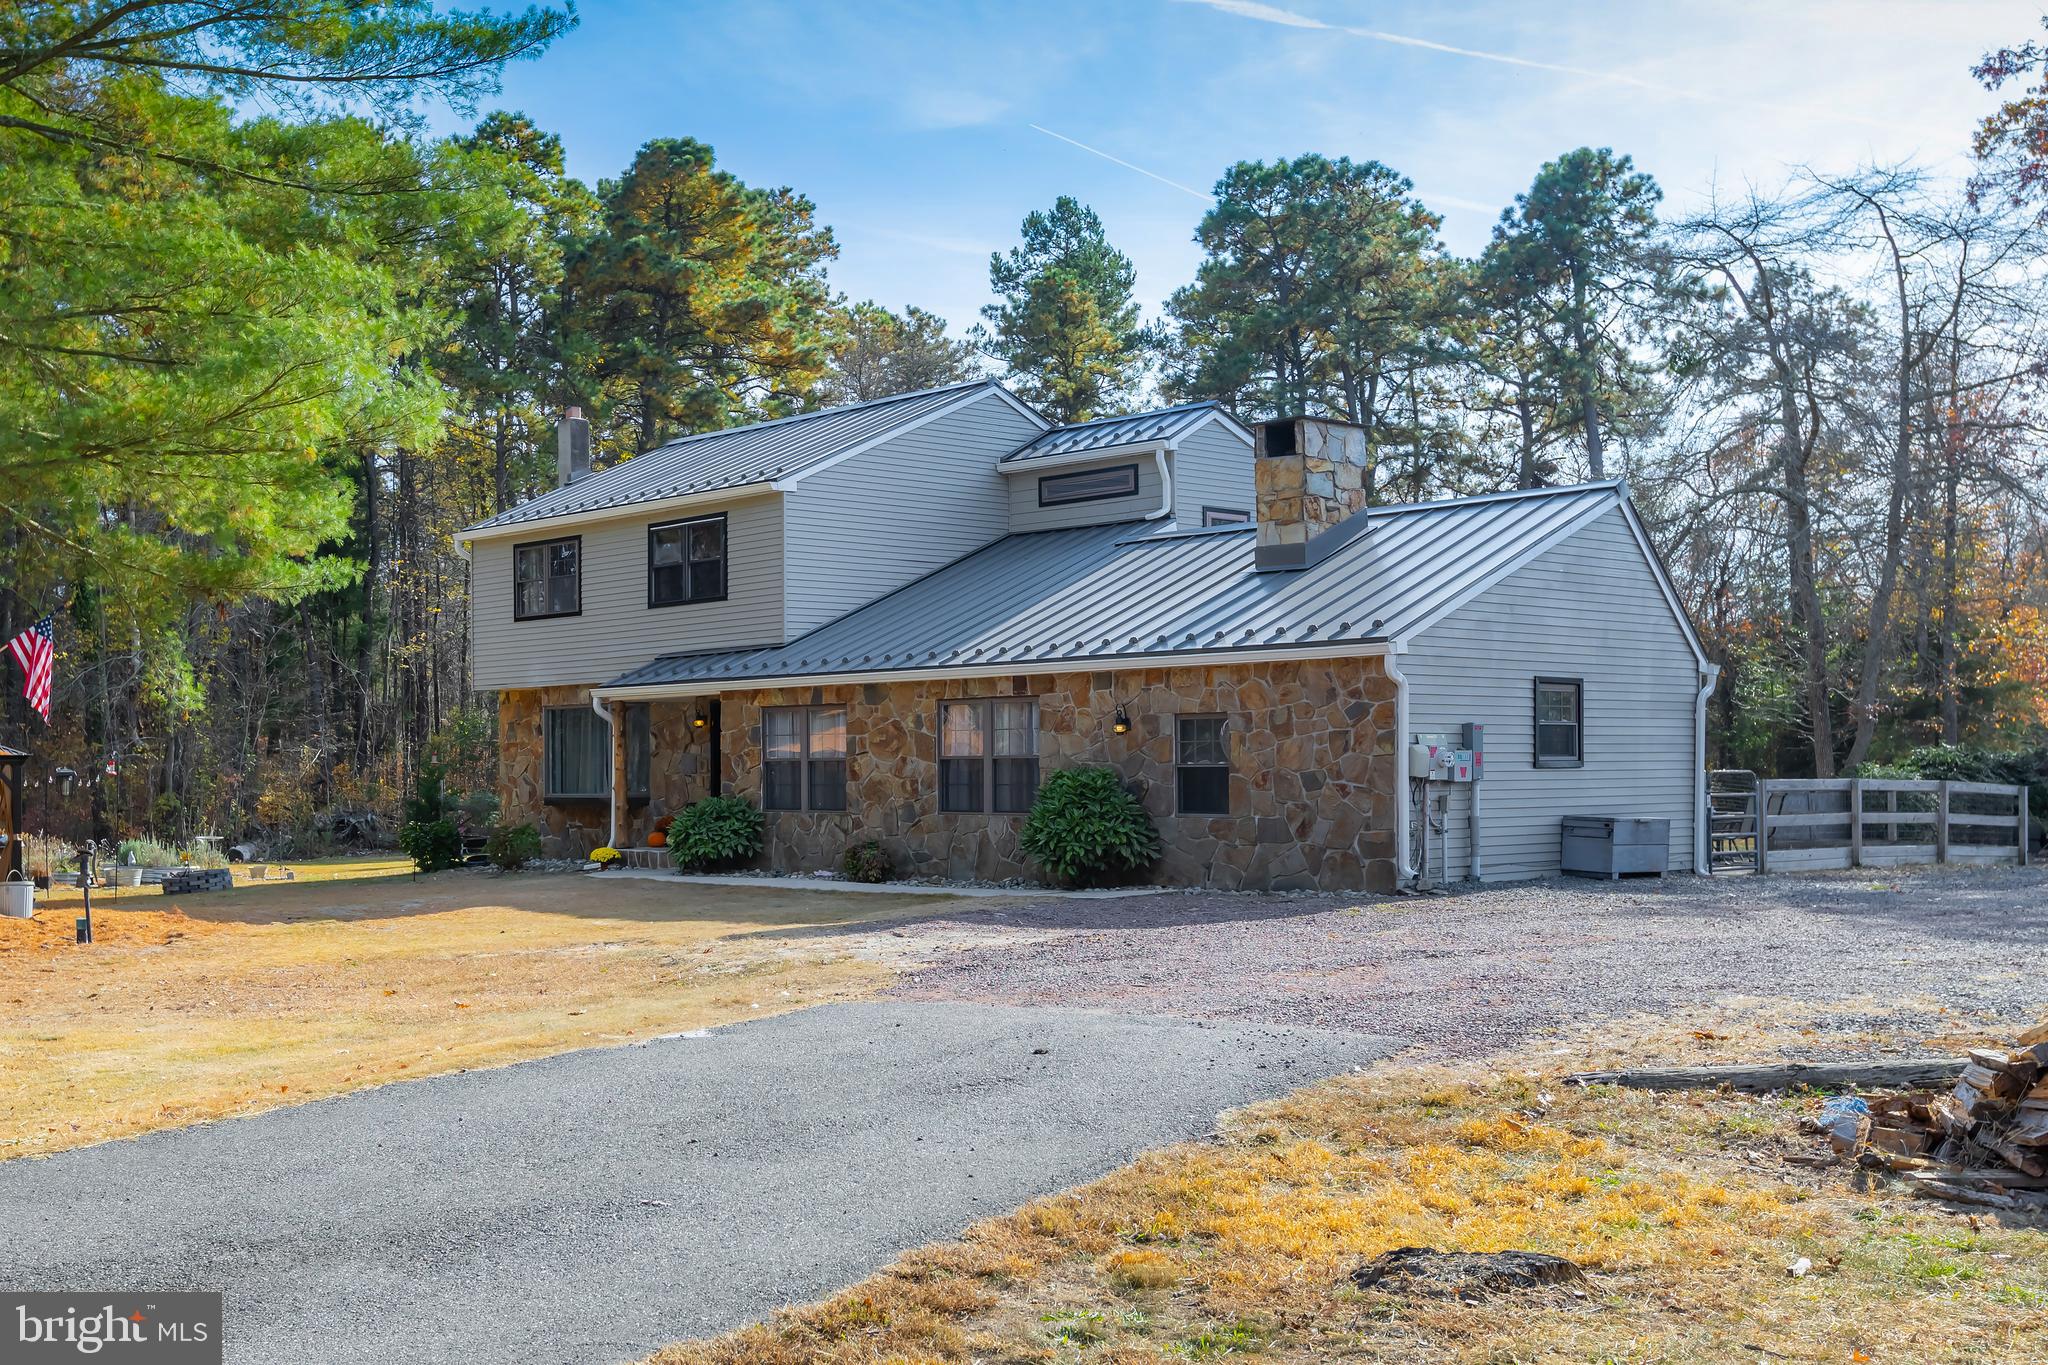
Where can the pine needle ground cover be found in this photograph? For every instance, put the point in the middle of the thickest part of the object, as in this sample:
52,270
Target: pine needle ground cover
206,1007
1681,1208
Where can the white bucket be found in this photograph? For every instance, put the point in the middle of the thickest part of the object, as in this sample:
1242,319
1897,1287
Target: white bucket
17,897
127,876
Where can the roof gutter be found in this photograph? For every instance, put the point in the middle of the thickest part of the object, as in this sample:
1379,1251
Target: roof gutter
1081,457
1094,663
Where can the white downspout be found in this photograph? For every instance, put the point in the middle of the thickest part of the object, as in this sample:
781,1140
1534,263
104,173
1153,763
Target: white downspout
1165,486
611,786
1702,816
1404,871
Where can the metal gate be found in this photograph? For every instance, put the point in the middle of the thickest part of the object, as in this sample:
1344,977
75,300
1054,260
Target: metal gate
1733,820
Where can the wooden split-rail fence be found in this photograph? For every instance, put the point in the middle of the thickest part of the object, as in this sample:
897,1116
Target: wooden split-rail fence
1785,824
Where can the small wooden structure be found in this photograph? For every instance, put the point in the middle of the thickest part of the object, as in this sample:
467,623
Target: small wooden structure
1787,824
12,857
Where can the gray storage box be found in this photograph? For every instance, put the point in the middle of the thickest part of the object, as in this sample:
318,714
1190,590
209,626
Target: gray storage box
1616,846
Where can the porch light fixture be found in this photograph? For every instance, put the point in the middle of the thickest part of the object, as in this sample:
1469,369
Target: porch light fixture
699,721
65,777
1121,725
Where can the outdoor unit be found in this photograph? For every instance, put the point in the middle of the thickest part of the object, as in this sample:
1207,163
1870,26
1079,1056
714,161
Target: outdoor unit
1615,846
1452,758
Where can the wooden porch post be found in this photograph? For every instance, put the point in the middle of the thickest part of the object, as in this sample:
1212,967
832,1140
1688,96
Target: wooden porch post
621,812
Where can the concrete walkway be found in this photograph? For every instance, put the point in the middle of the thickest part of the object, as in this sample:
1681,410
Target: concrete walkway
1036,893
594,1206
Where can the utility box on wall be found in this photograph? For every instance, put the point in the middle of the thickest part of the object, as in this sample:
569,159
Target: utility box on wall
1615,846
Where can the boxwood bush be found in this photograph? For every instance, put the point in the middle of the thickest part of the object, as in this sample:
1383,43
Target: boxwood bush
512,847
1085,828
719,831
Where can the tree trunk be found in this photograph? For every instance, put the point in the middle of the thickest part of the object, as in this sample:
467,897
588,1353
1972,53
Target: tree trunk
1589,408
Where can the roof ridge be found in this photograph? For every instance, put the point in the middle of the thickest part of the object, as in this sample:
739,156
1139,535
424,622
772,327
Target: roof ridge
884,400
1133,416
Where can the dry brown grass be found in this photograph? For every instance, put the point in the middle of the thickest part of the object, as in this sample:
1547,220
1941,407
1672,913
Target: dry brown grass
1681,1208
264,996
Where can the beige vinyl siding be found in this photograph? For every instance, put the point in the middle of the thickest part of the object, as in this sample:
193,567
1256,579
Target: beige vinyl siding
617,630
1027,515
912,504
1588,608
1212,467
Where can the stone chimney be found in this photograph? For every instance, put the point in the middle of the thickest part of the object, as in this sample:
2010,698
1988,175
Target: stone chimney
572,448
1311,480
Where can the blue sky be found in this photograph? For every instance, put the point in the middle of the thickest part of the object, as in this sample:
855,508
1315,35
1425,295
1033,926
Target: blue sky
924,132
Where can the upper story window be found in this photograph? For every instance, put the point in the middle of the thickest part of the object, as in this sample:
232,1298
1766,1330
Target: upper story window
803,758
577,754
547,578
1225,516
1201,765
1089,485
686,561
988,754
1560,723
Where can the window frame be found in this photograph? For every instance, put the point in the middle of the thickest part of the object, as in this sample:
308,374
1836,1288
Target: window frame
518,611
985,793
1231,516
552,797
1180,766
724,560
1539,758
804,759
1131,492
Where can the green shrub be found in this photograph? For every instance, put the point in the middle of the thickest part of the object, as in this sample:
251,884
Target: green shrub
718,831
865,863
428,802
512,847
1085,827
431,844
145,853
1965,763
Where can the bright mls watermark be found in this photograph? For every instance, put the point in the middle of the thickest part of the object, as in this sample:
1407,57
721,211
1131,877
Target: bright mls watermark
149,1329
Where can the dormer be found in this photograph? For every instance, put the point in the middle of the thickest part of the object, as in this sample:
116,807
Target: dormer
1191,463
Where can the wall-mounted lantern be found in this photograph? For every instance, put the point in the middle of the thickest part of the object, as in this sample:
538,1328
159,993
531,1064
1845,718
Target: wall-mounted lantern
1121,725
65,778
699,721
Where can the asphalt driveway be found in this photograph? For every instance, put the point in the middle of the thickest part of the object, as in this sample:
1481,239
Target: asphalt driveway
593,1206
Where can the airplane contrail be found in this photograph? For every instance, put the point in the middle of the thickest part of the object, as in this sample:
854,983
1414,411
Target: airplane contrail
1202,195
1273,14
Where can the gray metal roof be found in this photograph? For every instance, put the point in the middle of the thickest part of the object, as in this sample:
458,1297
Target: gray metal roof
736,457
1139,428
1092,595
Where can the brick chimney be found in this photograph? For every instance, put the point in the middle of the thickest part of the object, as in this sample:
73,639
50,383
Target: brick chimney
572,448
1311,480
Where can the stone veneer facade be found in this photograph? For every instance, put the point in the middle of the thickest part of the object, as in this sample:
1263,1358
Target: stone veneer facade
1312,757
681,763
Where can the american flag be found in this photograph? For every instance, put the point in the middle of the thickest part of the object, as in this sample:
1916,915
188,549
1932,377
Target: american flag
34,649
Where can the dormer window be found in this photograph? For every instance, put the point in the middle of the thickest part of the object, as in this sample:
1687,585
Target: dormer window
1089,485
686,561
547,578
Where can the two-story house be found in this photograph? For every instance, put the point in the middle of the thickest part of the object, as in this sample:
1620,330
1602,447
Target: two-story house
888,621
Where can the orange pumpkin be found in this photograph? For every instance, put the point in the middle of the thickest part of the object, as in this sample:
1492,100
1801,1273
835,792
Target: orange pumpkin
657,840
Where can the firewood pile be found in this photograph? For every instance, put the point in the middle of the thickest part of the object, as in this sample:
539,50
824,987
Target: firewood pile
1983,1142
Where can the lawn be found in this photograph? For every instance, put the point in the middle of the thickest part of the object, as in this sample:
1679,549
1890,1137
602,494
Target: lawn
203,1007
1681,1208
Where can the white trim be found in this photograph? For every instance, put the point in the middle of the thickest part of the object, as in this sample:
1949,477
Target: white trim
1165,486
967,400
1404,872
1045,462
652,509
1044,423
1085,663
1571,526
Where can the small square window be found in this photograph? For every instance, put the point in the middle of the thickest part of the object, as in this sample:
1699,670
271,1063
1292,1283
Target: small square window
686,561
547,578
1560,723
1202,765
1225,516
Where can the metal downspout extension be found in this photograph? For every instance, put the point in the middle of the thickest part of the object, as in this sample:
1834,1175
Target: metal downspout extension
1702,808
611,791
1404,871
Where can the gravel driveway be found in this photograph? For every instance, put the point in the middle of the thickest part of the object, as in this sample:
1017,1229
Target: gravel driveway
1466,974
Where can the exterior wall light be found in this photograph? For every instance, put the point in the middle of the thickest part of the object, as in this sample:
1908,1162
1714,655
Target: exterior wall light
699,721
65,777
1121,725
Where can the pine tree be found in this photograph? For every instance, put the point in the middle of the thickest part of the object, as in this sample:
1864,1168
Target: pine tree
1067,327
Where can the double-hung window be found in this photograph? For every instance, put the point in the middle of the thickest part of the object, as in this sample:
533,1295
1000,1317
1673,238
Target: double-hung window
547,578
1201,765
988,754
803,758
686,561
1560,723
577,754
